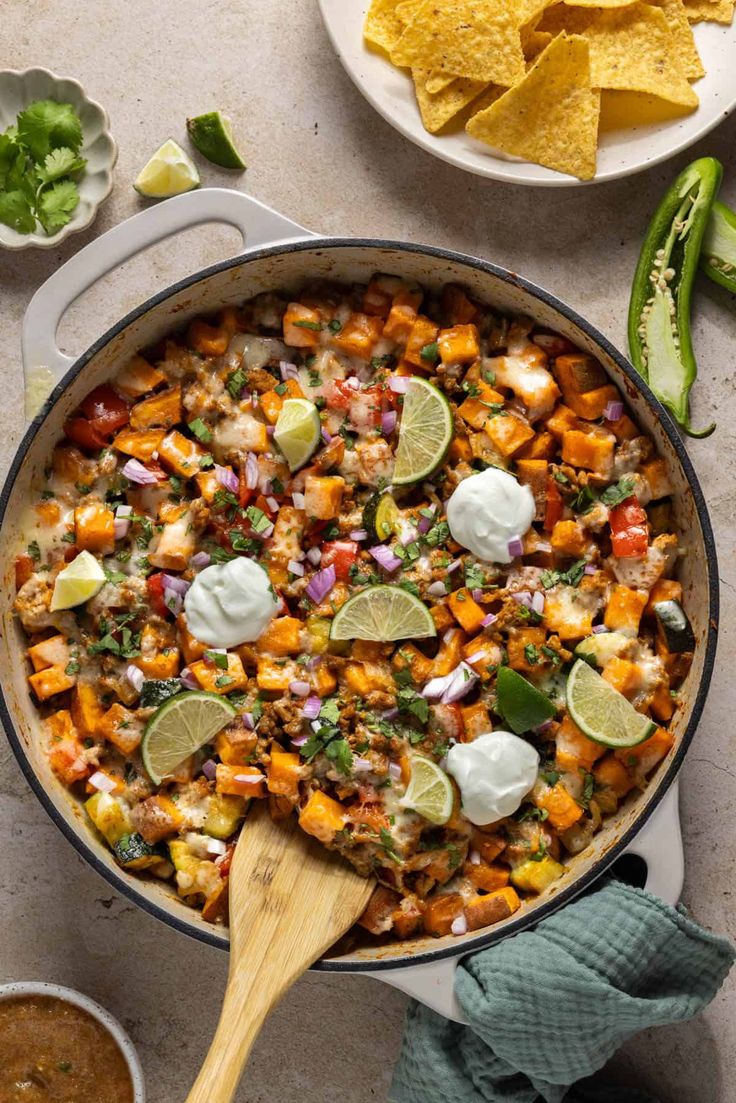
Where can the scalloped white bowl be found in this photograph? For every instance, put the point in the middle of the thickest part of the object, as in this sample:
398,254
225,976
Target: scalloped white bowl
18,89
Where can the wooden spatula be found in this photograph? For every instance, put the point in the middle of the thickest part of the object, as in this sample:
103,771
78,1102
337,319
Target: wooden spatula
290,900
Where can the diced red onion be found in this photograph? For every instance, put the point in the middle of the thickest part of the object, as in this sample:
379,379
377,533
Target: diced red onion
272,504
321,584
476,594
253,398
288,370
200,559
298,499
136,472
435,687
120,528
312,705
173,582
216,847
390,714
424,524
453,566
314,555
613,411
388,422
353,382
474,858
395,771
265,534
590,569
209,769
599,628
359,535
409,536
543,546
385,557
399,384
523,597
248,779
326,437
226,477
123,511
459,926
437,589
475,657
187,679
361,765
463,680
173,601
300,741
251,471
135,676
270,430
101,782
488,620
248,721
449,634
295,568
299,688
538,602
515,546
544,726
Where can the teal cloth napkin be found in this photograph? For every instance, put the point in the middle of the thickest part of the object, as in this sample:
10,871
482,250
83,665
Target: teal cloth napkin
547,1008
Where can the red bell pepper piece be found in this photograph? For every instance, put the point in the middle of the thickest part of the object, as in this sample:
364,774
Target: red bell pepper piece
553,507
84,433
629,529
106,409
341,554
155,588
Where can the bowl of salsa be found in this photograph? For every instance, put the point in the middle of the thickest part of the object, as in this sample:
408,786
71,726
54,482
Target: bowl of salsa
59,1046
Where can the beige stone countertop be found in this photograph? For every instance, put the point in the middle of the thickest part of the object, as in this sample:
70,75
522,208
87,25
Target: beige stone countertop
320,154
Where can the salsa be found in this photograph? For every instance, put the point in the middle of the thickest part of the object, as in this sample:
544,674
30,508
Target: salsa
54,1052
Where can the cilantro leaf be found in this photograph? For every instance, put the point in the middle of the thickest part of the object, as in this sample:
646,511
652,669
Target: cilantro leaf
408,700
60,162
46,125
15,211
56,204
619,492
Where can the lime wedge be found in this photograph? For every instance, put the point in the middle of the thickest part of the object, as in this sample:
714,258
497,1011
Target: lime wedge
212,135
430,791
383,613
297,431
425,432
180,727
521,704
602,712
169,172
77,583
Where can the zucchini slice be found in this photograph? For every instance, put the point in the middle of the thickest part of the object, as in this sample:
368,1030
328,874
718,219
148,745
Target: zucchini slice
380,515
133,852
676,629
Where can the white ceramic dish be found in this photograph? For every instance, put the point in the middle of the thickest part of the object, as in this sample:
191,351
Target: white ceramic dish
18,89
113,1027
622,151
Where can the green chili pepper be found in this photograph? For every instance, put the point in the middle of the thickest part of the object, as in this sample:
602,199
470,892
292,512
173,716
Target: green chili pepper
718,256
659,312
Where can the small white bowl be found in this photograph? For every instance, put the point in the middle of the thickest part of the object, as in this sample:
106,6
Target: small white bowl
18,89
57,991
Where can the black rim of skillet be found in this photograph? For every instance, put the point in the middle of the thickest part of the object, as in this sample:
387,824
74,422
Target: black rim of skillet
124,883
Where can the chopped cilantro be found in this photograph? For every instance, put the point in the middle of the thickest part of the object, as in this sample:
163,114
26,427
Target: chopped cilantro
224,680
236,381
408,700
306,324
583,501
619,492
217,658
388,844
531,654
34,551
334,326
258,519
430,353
281,388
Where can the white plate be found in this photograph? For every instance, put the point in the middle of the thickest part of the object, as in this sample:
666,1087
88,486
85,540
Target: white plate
621,152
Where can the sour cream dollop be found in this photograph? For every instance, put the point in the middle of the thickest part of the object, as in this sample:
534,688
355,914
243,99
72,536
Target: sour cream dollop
487,510
494,772
230,603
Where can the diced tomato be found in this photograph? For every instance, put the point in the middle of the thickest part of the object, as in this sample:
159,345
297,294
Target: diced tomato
155,588
245,493
106,409
84,433
373,815
341,554
629,529
553,508
364,405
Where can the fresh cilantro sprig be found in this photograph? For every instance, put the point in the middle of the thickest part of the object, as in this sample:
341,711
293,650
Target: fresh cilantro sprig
39,167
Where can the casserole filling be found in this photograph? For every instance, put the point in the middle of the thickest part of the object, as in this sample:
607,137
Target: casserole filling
306,478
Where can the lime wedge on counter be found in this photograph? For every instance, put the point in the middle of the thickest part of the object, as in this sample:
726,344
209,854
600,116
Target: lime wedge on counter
77,583
430,791
425,432
602,712
180,727
521,704
170,171
297,431
212,135
383,613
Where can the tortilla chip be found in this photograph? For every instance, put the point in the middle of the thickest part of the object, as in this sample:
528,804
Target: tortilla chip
551,117
407,9
527,10
437,110
475,39
717,11
599,3
437,81
382,26
687,51
533,42
632,49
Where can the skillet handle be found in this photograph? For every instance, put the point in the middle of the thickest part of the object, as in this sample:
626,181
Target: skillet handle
659,843
44,364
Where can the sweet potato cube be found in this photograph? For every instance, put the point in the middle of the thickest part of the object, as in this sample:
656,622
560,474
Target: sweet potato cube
50,681
624,609
138,377
567,614
574,749
456,306
284,771
208,483
481,911
120,727
622,675
175,545
180,455
273,676
644,756
662,703
86,709
140,443
206,339
160,410
323,496
562,810
577,373
442,617
623,428
541,447
409,656
611,774
459,345
235,745
272,401
216,680
65,751
94,526
569,538
507,433
378,915
466,610
323,681
322,817
523,648
655,472
449,655
362,678
423,332
592,451
534,474
240,781
475,409
302,326
441,912
51,652
483,655
590,406
281,637
664,589
561,420
485,876
402,315
191,648
476,720
358,335
157,817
